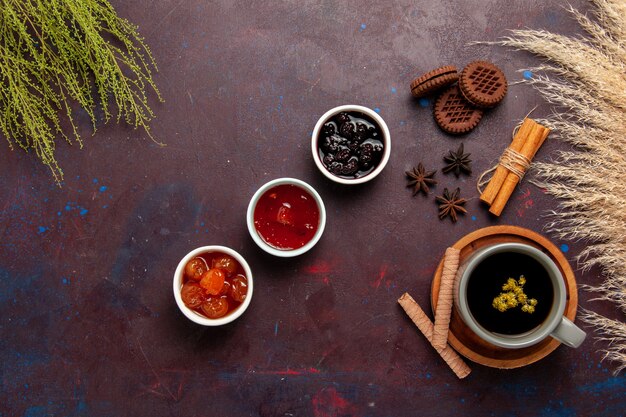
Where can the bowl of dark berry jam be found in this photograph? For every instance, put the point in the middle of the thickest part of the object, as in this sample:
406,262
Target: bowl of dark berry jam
351,144
286,217
213,285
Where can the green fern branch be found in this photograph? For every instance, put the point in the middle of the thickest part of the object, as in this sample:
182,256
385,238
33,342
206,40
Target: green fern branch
57,52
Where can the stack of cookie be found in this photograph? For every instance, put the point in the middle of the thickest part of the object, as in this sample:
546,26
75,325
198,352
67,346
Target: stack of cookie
459,108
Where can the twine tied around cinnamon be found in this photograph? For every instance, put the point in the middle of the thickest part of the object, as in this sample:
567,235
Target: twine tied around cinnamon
510,160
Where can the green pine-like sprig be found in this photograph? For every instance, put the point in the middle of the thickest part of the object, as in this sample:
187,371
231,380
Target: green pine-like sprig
55,52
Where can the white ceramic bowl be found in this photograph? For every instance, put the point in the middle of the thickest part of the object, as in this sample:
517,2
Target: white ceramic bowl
259,240
178,283
386,139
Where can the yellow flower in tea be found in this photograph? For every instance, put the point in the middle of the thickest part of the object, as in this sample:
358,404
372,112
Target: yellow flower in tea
514,296
510,285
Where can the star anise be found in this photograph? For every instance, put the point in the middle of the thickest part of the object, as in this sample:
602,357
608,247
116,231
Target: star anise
419,179
458,162
450,204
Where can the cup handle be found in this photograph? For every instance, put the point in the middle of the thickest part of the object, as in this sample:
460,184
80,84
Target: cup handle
568,333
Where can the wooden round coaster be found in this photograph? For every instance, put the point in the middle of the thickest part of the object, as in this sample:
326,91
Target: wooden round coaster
466,342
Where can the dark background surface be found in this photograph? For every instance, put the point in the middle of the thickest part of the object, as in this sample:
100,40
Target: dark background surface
88,322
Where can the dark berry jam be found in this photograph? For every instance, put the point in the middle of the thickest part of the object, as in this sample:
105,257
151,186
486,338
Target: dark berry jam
350,144
286,217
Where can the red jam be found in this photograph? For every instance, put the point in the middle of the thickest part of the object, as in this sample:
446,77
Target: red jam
214,284
286,217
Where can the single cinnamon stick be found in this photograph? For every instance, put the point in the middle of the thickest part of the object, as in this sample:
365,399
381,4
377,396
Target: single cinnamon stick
444,304
423,323
492,189
534,141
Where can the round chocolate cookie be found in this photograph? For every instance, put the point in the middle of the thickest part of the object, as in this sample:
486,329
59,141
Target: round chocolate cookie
434,80
483,84
454,114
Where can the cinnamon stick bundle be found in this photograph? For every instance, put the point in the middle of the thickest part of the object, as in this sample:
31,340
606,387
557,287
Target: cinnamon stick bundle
513,164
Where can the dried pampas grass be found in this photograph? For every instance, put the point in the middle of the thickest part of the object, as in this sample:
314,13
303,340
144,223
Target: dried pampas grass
586,81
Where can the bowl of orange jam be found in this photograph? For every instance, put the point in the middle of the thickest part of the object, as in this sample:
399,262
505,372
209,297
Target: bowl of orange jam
213,285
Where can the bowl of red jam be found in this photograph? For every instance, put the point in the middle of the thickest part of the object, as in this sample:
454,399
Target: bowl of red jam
213,285
286,217
351,144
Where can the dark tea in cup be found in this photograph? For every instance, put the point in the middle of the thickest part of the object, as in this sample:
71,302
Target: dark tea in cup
486,282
